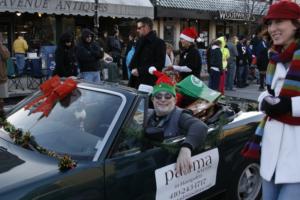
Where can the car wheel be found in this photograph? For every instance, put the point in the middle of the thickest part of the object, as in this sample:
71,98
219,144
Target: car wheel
247,183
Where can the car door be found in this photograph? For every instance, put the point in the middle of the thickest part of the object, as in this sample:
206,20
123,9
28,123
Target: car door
130,167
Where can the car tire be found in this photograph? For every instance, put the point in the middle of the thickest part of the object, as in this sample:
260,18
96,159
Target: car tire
247,184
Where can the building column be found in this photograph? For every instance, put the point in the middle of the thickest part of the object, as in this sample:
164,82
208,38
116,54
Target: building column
212,31
177,33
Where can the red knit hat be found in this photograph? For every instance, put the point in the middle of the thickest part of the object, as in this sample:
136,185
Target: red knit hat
163,83
189,34
283,10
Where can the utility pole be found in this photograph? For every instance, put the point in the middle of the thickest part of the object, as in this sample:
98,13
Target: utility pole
96,19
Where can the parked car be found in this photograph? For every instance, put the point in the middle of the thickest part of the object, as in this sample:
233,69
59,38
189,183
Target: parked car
101,128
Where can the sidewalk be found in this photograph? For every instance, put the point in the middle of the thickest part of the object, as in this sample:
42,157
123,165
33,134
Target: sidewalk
250,92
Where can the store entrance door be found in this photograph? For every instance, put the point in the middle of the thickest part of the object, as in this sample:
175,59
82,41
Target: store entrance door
5,29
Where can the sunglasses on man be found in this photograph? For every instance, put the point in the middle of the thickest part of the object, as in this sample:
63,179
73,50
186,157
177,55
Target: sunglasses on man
166,96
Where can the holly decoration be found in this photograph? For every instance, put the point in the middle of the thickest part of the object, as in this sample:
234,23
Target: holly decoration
27,141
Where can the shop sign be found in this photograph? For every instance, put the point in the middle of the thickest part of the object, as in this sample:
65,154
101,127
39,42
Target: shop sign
60,6
171,185
227,15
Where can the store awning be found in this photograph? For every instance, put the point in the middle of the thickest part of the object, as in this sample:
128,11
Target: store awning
259,7
112,8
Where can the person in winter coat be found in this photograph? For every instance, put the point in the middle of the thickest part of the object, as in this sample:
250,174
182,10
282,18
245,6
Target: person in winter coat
225,57
216,66
65,57
150,51
4,55
280,129
242,63
114,46
262,59
88,54
189,57
231,67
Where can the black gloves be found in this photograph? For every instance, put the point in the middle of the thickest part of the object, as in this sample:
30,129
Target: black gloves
275,106
271,91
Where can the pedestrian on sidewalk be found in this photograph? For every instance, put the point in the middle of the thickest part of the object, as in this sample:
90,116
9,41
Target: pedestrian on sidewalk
216,66
262,58
88,54
190,60
242,62
225,57
20,47
4,55
280,130
65,57
231,67
150,51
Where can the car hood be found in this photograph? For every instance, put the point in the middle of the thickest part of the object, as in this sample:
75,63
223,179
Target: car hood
19,166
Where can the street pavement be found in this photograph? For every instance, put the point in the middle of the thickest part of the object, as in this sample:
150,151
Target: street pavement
250,92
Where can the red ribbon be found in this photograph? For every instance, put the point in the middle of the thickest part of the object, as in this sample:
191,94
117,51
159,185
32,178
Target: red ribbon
53,91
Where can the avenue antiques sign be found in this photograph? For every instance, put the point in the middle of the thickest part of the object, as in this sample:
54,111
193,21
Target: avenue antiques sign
236,16
115,8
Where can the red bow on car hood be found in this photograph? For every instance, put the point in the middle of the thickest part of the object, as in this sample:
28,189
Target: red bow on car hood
53,90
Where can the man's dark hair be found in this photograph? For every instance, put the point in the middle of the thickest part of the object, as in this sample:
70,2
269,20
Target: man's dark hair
147,21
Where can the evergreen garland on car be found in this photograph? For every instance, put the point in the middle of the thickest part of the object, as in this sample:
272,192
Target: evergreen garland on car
27,141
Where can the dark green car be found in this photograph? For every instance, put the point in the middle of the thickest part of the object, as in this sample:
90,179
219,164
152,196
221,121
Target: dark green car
100,128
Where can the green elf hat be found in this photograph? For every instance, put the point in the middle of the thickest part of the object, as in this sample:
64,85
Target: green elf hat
163,83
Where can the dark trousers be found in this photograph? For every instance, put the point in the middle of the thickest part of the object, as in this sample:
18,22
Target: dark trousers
242,75
214,79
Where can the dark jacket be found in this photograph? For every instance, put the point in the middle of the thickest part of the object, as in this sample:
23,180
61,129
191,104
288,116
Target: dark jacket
262,59
243,57
191,58
88,54
178,122
65,57
216,58
150,51
114,46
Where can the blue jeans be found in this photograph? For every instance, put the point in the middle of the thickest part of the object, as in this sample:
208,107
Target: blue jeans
91,76
287,191
231,69
20,60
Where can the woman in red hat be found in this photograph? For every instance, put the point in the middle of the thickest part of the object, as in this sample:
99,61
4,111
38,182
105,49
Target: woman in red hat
280,129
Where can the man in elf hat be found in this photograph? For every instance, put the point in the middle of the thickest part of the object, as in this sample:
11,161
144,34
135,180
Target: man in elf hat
190,60
167,121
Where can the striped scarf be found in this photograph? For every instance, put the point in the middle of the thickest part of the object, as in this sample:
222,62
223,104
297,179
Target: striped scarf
291,85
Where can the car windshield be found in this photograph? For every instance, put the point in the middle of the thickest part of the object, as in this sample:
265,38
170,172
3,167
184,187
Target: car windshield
75,126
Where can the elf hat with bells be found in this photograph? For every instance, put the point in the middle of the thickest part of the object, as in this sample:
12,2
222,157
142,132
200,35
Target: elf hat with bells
163,83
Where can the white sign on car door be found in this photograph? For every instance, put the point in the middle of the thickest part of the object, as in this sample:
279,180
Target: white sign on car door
171,185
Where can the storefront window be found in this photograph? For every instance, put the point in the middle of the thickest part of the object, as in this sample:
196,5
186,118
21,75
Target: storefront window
38,31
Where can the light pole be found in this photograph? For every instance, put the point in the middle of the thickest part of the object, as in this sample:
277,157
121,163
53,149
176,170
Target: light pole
96,19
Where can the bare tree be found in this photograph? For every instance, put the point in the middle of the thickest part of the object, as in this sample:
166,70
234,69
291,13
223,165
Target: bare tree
255,9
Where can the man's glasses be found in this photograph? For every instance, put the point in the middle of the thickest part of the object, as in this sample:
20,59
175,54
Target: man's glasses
159,96
140,27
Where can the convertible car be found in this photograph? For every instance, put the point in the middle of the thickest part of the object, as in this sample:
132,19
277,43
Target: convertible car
90,145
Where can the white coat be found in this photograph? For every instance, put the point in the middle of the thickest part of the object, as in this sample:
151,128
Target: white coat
280,155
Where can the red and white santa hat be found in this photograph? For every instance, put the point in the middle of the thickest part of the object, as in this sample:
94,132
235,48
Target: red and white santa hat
189,34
